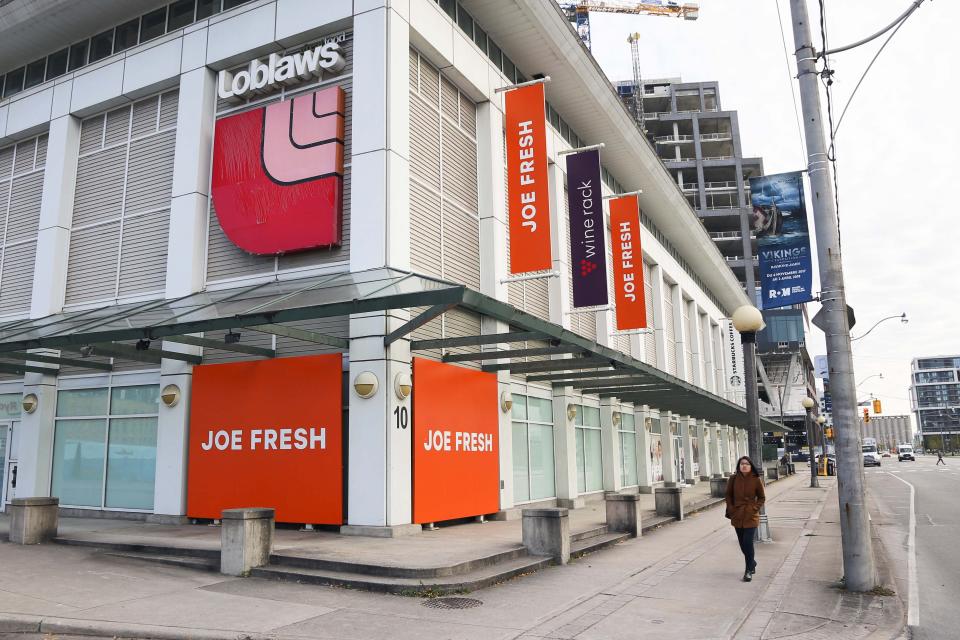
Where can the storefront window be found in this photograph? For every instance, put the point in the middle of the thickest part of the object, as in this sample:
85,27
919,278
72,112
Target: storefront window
533,461
105,447
589,453
628,450
10,406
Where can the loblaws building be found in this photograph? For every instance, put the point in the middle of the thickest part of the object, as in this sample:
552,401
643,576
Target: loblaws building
256,253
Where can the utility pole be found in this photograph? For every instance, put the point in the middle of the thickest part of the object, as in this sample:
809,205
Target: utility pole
858,565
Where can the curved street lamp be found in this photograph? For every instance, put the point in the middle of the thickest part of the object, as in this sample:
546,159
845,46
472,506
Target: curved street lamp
903,320
876,375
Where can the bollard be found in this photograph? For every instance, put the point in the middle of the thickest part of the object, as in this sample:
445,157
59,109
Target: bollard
718,487
246,539
546,532
669,501
34,520
623,513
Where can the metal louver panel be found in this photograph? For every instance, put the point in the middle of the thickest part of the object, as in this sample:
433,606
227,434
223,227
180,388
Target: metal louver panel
226,260
650,337
92,266
99,191
41,152
459,166
118,127
168,109
425,143
144,117
425,253
16,279
25,155
669,329
150,173
143,254
461,246
6,162
91,134
24,213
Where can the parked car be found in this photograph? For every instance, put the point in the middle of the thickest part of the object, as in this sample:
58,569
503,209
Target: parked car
886,454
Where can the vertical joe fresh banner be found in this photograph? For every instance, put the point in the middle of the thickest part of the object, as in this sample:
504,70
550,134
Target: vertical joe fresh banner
779,219
527,189
627,263
588,252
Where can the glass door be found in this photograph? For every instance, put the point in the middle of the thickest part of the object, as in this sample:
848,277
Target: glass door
8,463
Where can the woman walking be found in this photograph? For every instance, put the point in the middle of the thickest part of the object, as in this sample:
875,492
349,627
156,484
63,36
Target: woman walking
745,498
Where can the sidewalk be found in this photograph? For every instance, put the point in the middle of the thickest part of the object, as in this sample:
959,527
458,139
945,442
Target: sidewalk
678,581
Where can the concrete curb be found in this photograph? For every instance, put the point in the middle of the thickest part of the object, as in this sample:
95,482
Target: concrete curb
15,623
885,578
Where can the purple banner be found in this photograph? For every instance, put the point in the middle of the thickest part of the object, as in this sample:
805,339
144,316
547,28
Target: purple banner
588,251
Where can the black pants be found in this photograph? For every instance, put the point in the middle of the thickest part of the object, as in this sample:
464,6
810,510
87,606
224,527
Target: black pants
745,538
939,460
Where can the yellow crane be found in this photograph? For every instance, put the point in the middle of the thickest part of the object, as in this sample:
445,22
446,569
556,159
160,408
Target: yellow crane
579,12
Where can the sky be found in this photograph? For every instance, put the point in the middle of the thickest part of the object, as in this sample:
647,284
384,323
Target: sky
895,150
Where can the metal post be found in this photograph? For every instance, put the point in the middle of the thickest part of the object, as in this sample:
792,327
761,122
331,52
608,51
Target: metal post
814,482
858,564
754,437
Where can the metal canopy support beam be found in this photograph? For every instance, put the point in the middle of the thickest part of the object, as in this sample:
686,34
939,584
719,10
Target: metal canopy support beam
414,323
618,392
222,346
513,353
74,362
476,341
128,352
563,379
20,369
547,365
301,334
607,381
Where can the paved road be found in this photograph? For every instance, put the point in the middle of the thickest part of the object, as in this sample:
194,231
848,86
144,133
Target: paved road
937,535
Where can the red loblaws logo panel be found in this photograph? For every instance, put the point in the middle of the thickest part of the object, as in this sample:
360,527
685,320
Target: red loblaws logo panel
278,174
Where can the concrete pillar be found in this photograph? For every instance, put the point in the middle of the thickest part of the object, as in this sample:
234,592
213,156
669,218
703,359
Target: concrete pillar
656,290
688,433
56,218
565,449
703,448
726,449
670,453
559,288
716,464
36,436
644,464
610,446
546,532
33,520
173,439
246,540
669,501
379,466
493,257
678,331
189,204
623,513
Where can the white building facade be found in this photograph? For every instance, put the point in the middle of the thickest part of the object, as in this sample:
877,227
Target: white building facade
105,195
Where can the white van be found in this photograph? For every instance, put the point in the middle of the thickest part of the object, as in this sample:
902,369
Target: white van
905,452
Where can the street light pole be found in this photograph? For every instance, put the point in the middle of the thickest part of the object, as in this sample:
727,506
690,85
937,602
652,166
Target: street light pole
748,320
808,404
858,565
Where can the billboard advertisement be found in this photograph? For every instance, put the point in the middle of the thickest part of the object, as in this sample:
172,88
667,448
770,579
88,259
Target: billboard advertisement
456,459
277,181
588,252
268,433
779,219
627,263
528,193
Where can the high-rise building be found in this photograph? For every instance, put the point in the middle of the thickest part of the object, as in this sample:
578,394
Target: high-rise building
698,141
935,400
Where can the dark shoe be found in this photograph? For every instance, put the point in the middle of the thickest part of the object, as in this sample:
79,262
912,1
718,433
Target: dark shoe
754,569
747,576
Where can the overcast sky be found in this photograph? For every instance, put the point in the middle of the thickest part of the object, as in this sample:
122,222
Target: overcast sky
896,151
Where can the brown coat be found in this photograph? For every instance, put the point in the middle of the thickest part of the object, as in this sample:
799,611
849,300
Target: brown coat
745,496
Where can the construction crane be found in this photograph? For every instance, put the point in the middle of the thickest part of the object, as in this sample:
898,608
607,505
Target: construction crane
579,12
634,40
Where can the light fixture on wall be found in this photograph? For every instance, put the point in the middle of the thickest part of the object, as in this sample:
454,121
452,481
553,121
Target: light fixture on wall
571,411
170,395
616,418
402,385
366,384
30,402
506,401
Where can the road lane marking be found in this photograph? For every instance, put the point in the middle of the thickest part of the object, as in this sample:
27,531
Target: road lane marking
913,600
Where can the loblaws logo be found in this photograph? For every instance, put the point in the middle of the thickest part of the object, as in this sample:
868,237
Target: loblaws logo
278,174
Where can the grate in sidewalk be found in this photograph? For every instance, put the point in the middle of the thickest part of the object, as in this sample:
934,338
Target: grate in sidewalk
452,603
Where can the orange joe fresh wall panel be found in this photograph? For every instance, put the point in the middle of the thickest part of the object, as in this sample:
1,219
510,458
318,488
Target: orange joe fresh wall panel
268,434
456,468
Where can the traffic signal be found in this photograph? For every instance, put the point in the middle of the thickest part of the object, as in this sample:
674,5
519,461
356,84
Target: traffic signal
866,414
876,406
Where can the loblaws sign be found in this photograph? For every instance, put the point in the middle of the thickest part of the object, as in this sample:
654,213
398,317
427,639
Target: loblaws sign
261,77
277,182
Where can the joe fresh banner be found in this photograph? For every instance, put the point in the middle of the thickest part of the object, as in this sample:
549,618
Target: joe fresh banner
780,221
